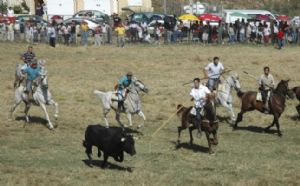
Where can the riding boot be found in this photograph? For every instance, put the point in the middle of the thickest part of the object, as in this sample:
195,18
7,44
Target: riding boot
120,106
198,121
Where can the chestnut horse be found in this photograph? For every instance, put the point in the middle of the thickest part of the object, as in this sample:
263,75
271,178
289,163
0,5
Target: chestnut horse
296,90
208,124
276,104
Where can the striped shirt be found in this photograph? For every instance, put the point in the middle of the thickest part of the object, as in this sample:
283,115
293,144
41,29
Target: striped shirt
28,57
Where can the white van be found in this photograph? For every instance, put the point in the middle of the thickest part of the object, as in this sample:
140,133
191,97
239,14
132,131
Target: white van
228,19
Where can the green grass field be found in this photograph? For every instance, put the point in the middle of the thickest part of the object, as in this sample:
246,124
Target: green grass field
36,156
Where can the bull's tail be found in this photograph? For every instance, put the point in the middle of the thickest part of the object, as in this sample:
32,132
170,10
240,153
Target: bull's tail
84,143
240,94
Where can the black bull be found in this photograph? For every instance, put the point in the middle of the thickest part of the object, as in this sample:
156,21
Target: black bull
111,141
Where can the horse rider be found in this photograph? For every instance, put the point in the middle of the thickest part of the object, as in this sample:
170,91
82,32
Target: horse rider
123,84
266,84
213,72
28,57
33,72
199,95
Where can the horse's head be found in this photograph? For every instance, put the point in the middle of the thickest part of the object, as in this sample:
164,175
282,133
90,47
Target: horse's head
234,82
210,107
43,81
283,89
139,86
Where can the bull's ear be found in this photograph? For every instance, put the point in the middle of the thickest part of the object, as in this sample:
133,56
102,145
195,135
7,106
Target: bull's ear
123,139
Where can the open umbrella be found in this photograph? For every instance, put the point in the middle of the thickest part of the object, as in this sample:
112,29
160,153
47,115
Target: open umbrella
262,17
210,17
188,17
283,18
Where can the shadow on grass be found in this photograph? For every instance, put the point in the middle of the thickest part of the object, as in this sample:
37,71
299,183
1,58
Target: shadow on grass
256,129
194,147
224,119
295,118
98,163
33,119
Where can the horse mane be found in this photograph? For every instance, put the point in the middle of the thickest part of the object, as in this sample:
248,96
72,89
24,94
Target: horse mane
181,109
280,88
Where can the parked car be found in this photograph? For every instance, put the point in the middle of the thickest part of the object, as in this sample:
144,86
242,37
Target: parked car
152,25
31,18
95,15
146,17
91,23
57,19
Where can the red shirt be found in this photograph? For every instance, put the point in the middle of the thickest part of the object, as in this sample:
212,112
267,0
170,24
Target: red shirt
280,35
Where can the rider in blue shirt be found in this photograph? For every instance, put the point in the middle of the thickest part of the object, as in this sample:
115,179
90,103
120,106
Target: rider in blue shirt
33,72
123,83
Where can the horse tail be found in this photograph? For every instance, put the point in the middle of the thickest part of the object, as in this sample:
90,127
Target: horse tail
105,98
240,94
180,109
99,93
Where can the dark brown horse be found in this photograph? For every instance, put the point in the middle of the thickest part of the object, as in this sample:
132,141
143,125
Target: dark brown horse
208,124
296,90
276,104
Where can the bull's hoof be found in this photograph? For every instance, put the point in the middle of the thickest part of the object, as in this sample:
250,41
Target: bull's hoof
280,134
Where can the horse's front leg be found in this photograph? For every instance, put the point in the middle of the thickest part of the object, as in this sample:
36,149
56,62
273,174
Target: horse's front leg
141,114
118,119
209,142
105,112
13,108
129,118
215,140
239,119
27,107
43,106
52,102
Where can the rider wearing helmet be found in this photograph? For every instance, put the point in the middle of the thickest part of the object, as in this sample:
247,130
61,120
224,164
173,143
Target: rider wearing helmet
33,72
123,84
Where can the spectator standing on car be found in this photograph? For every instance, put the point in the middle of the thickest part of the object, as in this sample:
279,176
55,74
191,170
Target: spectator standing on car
39,10
84,33
10,14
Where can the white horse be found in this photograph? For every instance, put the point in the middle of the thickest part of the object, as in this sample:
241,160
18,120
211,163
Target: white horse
41,97
132,103
224,96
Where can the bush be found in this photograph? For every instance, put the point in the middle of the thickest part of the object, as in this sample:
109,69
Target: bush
3,7
24,6
18,9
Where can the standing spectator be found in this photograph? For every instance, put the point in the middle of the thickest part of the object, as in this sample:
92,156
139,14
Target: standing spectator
260,33
29,33
98,36
17,30
299,34
77,33
73,33
205,34
280,37
104,32
294,32
248,32
22,30
66,33
10,14
266,33
220,33
35,34
60,33
10,32
52,35
45,10
275,32
120,30
231,34
242,32
84,33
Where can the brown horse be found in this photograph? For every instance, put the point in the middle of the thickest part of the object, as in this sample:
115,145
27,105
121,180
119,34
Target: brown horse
296,90
276,104
208,124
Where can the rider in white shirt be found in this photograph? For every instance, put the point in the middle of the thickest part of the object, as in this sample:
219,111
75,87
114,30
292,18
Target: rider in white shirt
199,95
213,72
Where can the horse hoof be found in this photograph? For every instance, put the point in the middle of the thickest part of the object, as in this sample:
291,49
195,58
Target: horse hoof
56,116
140,126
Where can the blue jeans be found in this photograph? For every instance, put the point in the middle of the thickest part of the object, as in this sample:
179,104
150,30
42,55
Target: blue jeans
232,38
242,37
84,38
280,43
212,83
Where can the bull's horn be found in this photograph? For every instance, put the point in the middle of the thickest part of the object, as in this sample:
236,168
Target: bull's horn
123,139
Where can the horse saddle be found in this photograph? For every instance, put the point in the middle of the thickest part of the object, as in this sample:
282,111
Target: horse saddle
194,112
259,96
